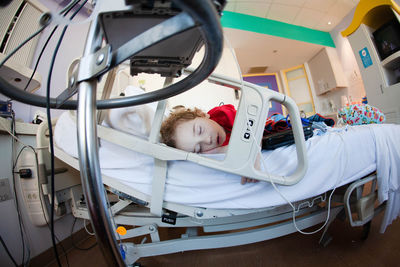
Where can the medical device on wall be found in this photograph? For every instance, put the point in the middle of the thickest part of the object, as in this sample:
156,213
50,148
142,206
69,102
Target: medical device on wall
5,108
168,57
146,45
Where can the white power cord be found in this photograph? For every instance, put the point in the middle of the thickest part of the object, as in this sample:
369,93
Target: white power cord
264,167
87,231
10,133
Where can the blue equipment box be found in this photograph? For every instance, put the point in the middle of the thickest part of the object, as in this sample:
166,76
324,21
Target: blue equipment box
5,109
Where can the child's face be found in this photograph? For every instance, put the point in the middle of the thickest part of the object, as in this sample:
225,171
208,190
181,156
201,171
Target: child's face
199,135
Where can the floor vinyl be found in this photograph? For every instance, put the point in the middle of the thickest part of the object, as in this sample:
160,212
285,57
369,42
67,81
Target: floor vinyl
346,249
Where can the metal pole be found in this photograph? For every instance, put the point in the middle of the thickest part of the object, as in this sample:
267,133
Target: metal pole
89,160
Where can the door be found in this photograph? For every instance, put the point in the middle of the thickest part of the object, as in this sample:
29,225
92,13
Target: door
298,88
270,81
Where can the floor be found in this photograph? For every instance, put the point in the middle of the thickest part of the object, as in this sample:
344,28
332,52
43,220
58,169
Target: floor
346,249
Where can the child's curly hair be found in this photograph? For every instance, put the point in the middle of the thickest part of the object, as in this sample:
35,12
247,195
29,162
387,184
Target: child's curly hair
180,115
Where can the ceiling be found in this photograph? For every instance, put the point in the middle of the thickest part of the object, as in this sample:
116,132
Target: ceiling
276,53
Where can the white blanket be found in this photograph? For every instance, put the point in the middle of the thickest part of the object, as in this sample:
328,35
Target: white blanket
336,158
387,140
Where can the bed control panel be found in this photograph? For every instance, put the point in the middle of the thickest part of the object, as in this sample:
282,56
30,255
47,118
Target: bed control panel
248,130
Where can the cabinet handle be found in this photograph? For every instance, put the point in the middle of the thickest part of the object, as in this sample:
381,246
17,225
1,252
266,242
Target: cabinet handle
381,88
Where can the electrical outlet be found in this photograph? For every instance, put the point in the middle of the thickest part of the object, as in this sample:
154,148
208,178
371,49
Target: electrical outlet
5,190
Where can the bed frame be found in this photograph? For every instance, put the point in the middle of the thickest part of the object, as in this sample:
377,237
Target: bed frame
219,227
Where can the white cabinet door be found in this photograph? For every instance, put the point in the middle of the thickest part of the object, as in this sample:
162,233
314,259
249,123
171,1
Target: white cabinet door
326,71
370,70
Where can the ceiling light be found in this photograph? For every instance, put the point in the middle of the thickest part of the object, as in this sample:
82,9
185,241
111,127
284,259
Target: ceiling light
329,23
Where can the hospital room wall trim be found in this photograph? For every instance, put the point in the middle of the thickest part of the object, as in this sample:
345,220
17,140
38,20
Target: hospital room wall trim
276,28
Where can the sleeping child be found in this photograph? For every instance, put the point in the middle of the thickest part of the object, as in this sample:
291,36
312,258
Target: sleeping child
193,130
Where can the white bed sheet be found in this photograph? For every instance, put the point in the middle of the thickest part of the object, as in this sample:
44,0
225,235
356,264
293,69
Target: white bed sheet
338,157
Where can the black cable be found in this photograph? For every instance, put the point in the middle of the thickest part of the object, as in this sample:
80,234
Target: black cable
41,203
51,132
7,57
39,57
72,239
8,252
69,7
21,226
67,10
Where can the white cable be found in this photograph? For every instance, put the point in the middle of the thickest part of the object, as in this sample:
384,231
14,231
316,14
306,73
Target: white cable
16,138
10,133
264,167
87,231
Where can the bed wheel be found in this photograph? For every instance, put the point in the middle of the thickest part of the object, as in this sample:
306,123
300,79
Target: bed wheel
325,240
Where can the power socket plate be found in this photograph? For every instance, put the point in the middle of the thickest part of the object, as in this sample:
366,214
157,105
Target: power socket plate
5,190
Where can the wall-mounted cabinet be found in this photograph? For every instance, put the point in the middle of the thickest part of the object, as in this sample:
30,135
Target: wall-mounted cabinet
326,71
18,21
374,45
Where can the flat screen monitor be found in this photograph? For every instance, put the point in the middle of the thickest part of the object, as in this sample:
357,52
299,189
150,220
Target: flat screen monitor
387,38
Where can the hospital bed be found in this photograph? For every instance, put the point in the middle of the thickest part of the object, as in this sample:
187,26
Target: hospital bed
154,186
150,183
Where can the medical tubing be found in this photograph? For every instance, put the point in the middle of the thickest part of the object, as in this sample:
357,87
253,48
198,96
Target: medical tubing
210,28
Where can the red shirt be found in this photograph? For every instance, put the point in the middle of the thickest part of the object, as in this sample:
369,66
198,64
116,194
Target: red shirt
225,116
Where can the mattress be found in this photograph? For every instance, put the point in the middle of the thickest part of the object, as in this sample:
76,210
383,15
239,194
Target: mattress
337,157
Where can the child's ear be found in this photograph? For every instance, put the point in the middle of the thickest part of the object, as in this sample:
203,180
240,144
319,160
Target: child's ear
207,115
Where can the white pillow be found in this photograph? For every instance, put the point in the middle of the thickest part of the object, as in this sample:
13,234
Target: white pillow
136,120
